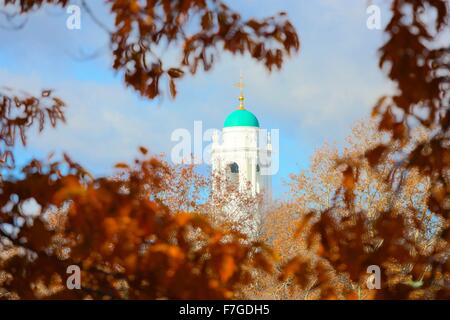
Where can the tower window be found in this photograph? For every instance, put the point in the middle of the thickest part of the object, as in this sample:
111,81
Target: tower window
234,168
257,168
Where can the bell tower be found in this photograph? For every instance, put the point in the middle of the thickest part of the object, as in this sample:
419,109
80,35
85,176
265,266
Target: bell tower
236,159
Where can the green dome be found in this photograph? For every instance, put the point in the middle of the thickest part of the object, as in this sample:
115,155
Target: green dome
241,118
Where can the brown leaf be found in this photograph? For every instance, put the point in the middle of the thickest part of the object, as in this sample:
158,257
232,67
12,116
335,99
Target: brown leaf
175,73
374,155
173,89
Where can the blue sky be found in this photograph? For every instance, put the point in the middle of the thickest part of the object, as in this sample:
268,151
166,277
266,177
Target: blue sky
316,97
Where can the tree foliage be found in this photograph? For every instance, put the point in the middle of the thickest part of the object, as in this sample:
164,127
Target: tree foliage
384,201
419,65
19,112
127,243
131,234
198,29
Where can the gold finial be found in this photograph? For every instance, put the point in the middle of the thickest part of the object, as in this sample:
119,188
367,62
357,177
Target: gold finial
240,85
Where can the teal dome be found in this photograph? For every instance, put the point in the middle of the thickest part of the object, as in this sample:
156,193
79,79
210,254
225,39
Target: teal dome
241,118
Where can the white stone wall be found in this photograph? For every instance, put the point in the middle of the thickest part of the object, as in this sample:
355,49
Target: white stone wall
241,145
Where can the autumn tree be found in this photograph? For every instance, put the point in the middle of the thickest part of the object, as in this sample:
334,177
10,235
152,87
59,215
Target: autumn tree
314,189
127,244
387,204
394,236
18,112
317,189
199,30
130,233
232,205
278,230
183,189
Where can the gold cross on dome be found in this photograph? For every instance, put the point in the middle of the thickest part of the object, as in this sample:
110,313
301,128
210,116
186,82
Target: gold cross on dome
240,85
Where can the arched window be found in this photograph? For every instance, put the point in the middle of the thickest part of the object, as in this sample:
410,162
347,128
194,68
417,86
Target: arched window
257,168
234,168
233,174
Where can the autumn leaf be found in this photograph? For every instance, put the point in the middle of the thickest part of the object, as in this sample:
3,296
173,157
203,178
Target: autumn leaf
175,73
374,155
227,268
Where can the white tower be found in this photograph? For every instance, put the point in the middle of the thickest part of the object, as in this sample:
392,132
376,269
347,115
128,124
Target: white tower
238,158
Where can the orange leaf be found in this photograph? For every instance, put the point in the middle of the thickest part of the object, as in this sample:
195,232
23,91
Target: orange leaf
227,268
